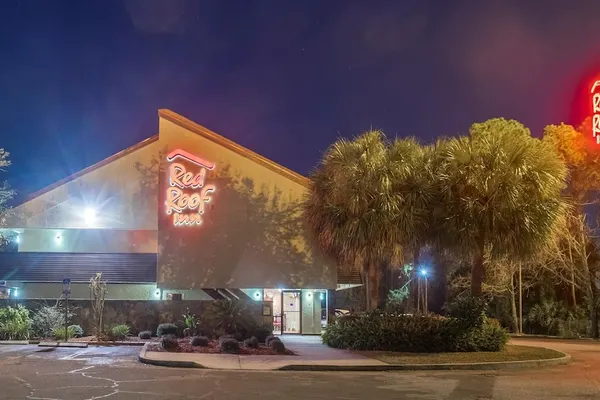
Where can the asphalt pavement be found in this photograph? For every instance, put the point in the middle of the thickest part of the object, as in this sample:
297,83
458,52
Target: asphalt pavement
114,373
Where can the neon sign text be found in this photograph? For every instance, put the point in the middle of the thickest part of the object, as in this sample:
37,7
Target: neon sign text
188,192
596,110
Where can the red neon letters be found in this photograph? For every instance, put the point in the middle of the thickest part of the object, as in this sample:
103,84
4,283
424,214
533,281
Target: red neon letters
596,110
188,192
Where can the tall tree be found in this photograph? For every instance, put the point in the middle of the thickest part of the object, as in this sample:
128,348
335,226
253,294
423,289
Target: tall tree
499,191
6,193
582,158
363,209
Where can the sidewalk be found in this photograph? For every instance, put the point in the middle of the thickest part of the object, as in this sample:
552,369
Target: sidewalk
309,349
314,356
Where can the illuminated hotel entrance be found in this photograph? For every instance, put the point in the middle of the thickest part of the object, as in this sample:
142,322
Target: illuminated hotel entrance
298,311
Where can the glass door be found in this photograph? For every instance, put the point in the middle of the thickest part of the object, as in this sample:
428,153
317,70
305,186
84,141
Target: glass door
291,316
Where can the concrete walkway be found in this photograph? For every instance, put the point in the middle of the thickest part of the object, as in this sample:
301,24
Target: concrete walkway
309,350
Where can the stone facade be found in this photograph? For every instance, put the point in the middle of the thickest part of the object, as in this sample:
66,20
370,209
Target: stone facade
140,315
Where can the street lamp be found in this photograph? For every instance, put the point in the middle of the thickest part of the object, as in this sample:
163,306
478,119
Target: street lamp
424,273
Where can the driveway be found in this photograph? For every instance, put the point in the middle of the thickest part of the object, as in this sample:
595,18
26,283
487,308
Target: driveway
113,373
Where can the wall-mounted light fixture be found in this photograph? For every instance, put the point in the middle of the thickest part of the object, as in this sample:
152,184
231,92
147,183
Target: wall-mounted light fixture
89,216
257,295
58,239
157,293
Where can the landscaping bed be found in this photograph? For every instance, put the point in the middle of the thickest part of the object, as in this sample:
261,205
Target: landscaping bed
213,347
510,353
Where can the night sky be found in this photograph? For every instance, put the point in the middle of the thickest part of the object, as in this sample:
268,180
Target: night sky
81,80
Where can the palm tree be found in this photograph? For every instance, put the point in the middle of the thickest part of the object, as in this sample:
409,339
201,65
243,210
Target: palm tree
362,206
499,190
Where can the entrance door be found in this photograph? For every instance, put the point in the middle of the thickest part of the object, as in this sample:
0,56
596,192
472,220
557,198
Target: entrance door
291,315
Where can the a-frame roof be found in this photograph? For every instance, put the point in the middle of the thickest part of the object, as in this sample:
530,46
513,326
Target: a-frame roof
192,127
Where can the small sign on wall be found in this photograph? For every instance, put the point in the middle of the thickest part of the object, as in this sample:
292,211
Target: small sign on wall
267,308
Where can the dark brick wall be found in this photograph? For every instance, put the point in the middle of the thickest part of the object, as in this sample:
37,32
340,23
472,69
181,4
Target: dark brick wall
140,315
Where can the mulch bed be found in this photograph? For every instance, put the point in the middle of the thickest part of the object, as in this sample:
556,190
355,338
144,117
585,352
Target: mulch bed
213,348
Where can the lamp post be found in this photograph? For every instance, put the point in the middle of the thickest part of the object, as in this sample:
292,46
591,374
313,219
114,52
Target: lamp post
423,273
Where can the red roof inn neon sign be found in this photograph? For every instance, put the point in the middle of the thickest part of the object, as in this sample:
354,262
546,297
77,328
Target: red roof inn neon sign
596,110
187,193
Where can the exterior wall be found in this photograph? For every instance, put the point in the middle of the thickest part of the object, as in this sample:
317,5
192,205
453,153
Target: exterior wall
251,233
116,190
140,315
87,241
81,291
116,291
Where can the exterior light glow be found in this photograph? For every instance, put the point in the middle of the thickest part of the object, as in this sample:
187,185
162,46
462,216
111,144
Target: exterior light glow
321,296
179,197
309,295
15,292
18,239
423,272
157,293
58,239
256,295
596,110
89,216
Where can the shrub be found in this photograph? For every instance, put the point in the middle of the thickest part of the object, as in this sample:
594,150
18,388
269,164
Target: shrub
229,345
190,322
77,330
145,335
262,332
59,333
469,310
277,346
119,331
269,338
413,333
15,323
252,343
166,329
229,316
46,319
199,341
169,342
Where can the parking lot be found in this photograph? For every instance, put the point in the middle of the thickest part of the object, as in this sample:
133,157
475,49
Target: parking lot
31,372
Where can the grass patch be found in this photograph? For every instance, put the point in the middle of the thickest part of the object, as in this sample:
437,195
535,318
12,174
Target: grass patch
511,353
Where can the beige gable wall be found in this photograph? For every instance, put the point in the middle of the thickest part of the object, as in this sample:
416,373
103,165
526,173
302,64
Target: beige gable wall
114,190
124,203
251,235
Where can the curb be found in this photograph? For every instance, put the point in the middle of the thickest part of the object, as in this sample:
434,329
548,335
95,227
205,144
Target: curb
116,343
14,342
166,363
489,366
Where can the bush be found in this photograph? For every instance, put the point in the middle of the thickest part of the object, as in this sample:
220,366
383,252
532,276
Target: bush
77,330
469,310
262,332
229,316
119,331
277,346
229,345
15,323
252,343
72,330
201,341
269,338
166,329
413,333
46,319
169,342
145,335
